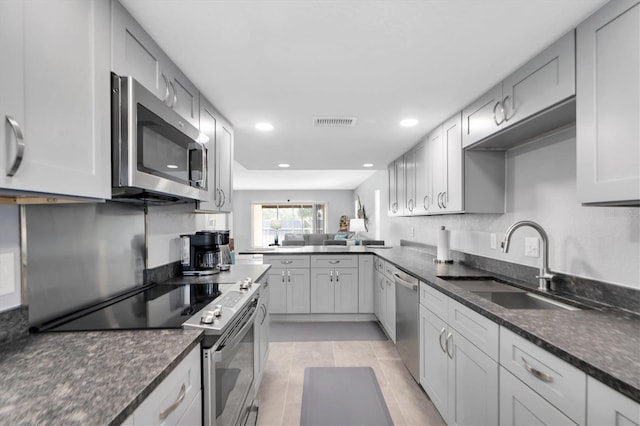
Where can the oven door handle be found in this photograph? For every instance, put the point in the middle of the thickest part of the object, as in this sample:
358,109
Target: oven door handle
220,355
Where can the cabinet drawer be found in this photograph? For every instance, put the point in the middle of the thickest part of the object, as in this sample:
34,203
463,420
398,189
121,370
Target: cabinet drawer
184,379
477,329
555,380
520,405
434,300
334,261
287,261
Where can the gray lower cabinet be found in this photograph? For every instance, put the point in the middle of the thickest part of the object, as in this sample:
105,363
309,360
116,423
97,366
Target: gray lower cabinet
606,406
366,273
460,379
55,101
334,290
290,290
608,105
261,334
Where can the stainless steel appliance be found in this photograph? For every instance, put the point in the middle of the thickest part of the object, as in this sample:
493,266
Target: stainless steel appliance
203,251
157,156
407,321
228,356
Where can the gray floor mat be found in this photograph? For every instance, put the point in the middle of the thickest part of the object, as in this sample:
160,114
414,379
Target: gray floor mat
341,396
324,331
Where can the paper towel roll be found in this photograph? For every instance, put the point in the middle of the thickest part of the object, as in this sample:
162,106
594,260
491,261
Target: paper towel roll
443,253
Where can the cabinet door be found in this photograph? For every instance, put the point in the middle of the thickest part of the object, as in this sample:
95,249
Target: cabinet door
483,117
346,290
366,284
390,308
433,359
207,125
11,84
606,406
186,98
436,148
544,81
380,303
298,291
608,105
424,190
520,406
277,278
452,162
67,99
473,384
409,204
135,53
322,290
224,168
396,187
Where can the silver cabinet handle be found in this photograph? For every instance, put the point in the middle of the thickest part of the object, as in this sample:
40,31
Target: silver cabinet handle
219,200
410,205
175,94
444,200
286,262
330,276
381,281
505,112
394,208
425,202
264,311
495,120
166,90
537,373
224,197
289,276
449,339
337,276
165,413
282,276
17,131
440,339
334,262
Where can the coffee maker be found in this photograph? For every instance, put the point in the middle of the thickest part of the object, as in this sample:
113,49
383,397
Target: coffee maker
203,251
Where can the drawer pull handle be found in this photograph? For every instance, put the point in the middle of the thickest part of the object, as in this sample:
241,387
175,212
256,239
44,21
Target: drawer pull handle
286,262
440,339
537,373
17,131
334,262
449,338
165,413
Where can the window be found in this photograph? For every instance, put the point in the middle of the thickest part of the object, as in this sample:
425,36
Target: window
294,218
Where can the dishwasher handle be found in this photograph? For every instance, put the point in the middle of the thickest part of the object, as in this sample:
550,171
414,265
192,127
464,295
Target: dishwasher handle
407,284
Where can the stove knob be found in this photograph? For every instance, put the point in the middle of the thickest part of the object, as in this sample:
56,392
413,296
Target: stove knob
207,317
217,311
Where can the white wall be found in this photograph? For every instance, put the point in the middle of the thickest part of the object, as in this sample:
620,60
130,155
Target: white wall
338,203
601,243
10,290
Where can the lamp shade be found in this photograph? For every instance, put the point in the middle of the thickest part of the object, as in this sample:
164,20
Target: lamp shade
275,224
356,225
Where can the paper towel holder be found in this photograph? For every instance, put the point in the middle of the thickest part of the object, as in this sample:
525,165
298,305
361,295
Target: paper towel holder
443,254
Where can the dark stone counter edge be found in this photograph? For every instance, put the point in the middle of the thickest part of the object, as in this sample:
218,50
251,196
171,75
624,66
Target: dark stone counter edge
135,403
606,378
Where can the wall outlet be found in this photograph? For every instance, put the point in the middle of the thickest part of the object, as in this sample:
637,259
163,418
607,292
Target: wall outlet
531,246
493,241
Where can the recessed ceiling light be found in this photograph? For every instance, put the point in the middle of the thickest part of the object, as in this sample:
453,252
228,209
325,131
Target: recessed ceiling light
367,165
408,122
284,165
264,126
171,166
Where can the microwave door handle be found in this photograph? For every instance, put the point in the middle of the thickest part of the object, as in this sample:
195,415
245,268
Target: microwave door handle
203,181
221,355
197,182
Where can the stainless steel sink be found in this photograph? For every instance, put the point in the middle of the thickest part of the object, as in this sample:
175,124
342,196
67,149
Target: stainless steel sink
507,295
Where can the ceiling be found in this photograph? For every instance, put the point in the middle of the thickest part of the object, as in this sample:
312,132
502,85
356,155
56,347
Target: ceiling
380,61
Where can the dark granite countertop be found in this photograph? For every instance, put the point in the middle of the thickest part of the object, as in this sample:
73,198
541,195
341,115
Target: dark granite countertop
86,377
312,250
604,343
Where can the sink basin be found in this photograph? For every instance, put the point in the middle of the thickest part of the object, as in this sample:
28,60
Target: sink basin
507,295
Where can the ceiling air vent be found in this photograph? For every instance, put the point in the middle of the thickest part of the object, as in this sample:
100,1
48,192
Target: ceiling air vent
334,121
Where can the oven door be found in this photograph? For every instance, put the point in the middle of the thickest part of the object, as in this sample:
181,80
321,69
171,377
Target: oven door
228,374
154,149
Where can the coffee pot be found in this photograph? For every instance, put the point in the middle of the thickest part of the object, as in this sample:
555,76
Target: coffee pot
203,251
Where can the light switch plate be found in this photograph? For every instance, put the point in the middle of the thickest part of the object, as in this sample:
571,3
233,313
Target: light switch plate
531,246
7,274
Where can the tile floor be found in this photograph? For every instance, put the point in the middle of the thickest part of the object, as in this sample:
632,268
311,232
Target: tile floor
280,393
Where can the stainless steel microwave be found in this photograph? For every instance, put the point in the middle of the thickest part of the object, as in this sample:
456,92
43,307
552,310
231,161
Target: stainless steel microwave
157,156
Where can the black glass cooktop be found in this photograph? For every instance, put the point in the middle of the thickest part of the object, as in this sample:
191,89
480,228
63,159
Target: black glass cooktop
160,306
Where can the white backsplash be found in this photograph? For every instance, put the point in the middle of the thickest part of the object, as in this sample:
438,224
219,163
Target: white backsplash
600,243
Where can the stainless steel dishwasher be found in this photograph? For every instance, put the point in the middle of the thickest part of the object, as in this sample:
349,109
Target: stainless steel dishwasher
407,321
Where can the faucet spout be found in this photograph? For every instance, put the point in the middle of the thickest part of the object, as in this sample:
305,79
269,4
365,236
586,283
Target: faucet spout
546,275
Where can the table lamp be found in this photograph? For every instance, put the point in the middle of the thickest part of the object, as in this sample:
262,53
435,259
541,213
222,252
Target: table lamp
357,225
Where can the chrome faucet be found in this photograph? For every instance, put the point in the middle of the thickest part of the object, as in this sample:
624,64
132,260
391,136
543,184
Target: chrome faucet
546,275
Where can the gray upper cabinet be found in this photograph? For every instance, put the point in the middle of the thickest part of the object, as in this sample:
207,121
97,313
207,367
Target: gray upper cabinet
396,187
409,205
423,187
608,105
135,53
539,85
447,167
59,107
